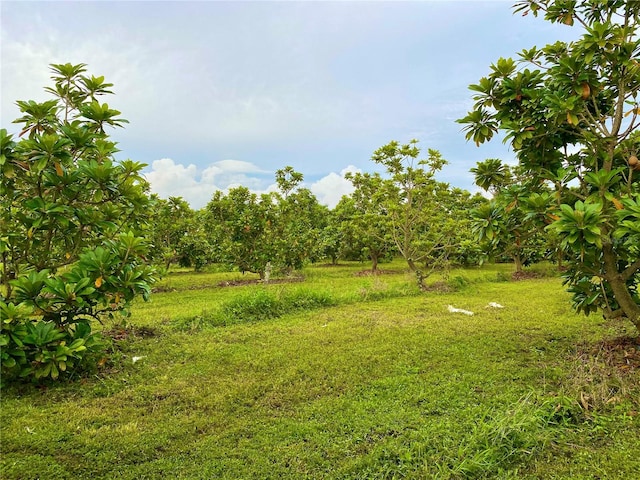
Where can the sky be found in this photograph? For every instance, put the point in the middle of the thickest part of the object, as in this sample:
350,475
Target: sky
221,94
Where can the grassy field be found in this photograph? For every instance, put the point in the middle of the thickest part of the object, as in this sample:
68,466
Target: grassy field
341,376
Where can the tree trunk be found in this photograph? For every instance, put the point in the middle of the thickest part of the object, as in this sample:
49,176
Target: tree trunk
517,260
618,284
412,265
374,262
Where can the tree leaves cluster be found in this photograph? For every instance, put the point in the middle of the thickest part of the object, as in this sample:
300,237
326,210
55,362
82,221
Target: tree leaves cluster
512,223
72,219
276,231
570,112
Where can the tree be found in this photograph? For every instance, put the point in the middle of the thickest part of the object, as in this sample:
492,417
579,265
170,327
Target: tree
170,225
178,234
570,112
420,224
511,223
71,219
298,222
461,247
238,226
279,229
410,196
194,249
364,220
330,244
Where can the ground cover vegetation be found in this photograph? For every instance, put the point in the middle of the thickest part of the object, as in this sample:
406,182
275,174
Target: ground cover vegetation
376,380
292,340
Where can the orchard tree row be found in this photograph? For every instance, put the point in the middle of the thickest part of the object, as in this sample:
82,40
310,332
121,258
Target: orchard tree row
406,212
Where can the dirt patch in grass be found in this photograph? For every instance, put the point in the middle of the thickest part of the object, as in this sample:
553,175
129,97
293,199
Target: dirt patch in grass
163,289
227,283
120,333
518,276
622,353
605,373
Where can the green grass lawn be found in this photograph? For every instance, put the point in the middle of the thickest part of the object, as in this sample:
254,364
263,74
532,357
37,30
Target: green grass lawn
340,376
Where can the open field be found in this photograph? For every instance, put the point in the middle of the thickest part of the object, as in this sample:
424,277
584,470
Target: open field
341,376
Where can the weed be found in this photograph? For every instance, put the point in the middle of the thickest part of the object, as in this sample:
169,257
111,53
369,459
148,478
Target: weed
498,441
256,305
259,304
458,282
502,277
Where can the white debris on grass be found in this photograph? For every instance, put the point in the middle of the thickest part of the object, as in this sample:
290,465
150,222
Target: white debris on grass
453,309
494,305
137,359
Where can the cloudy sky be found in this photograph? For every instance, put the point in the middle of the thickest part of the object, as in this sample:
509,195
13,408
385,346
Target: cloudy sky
220,94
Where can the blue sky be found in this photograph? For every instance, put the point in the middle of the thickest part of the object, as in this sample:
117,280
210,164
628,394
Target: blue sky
224,93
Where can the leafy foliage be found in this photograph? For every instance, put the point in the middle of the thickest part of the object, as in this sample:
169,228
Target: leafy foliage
256,233
71,218
364,222
570,112
422,218
512,223
178,234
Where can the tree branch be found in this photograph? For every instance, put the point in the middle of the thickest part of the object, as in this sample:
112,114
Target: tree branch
630,270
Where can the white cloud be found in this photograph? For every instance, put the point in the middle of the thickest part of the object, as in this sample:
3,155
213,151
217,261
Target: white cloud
330,189
26,59
291,83
170,179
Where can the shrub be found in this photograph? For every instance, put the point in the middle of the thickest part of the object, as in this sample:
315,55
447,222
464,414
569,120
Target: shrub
71,214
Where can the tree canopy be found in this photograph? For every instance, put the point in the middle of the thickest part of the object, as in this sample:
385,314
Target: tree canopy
72,218
570,112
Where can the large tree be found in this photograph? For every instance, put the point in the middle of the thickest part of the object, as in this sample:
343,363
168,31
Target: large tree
512,223
71,218
570,112
420,221
278,230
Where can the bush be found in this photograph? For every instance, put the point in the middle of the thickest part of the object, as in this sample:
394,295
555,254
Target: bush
41,349
70,250
458,282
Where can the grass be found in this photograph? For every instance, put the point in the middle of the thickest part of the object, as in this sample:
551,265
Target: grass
354,378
